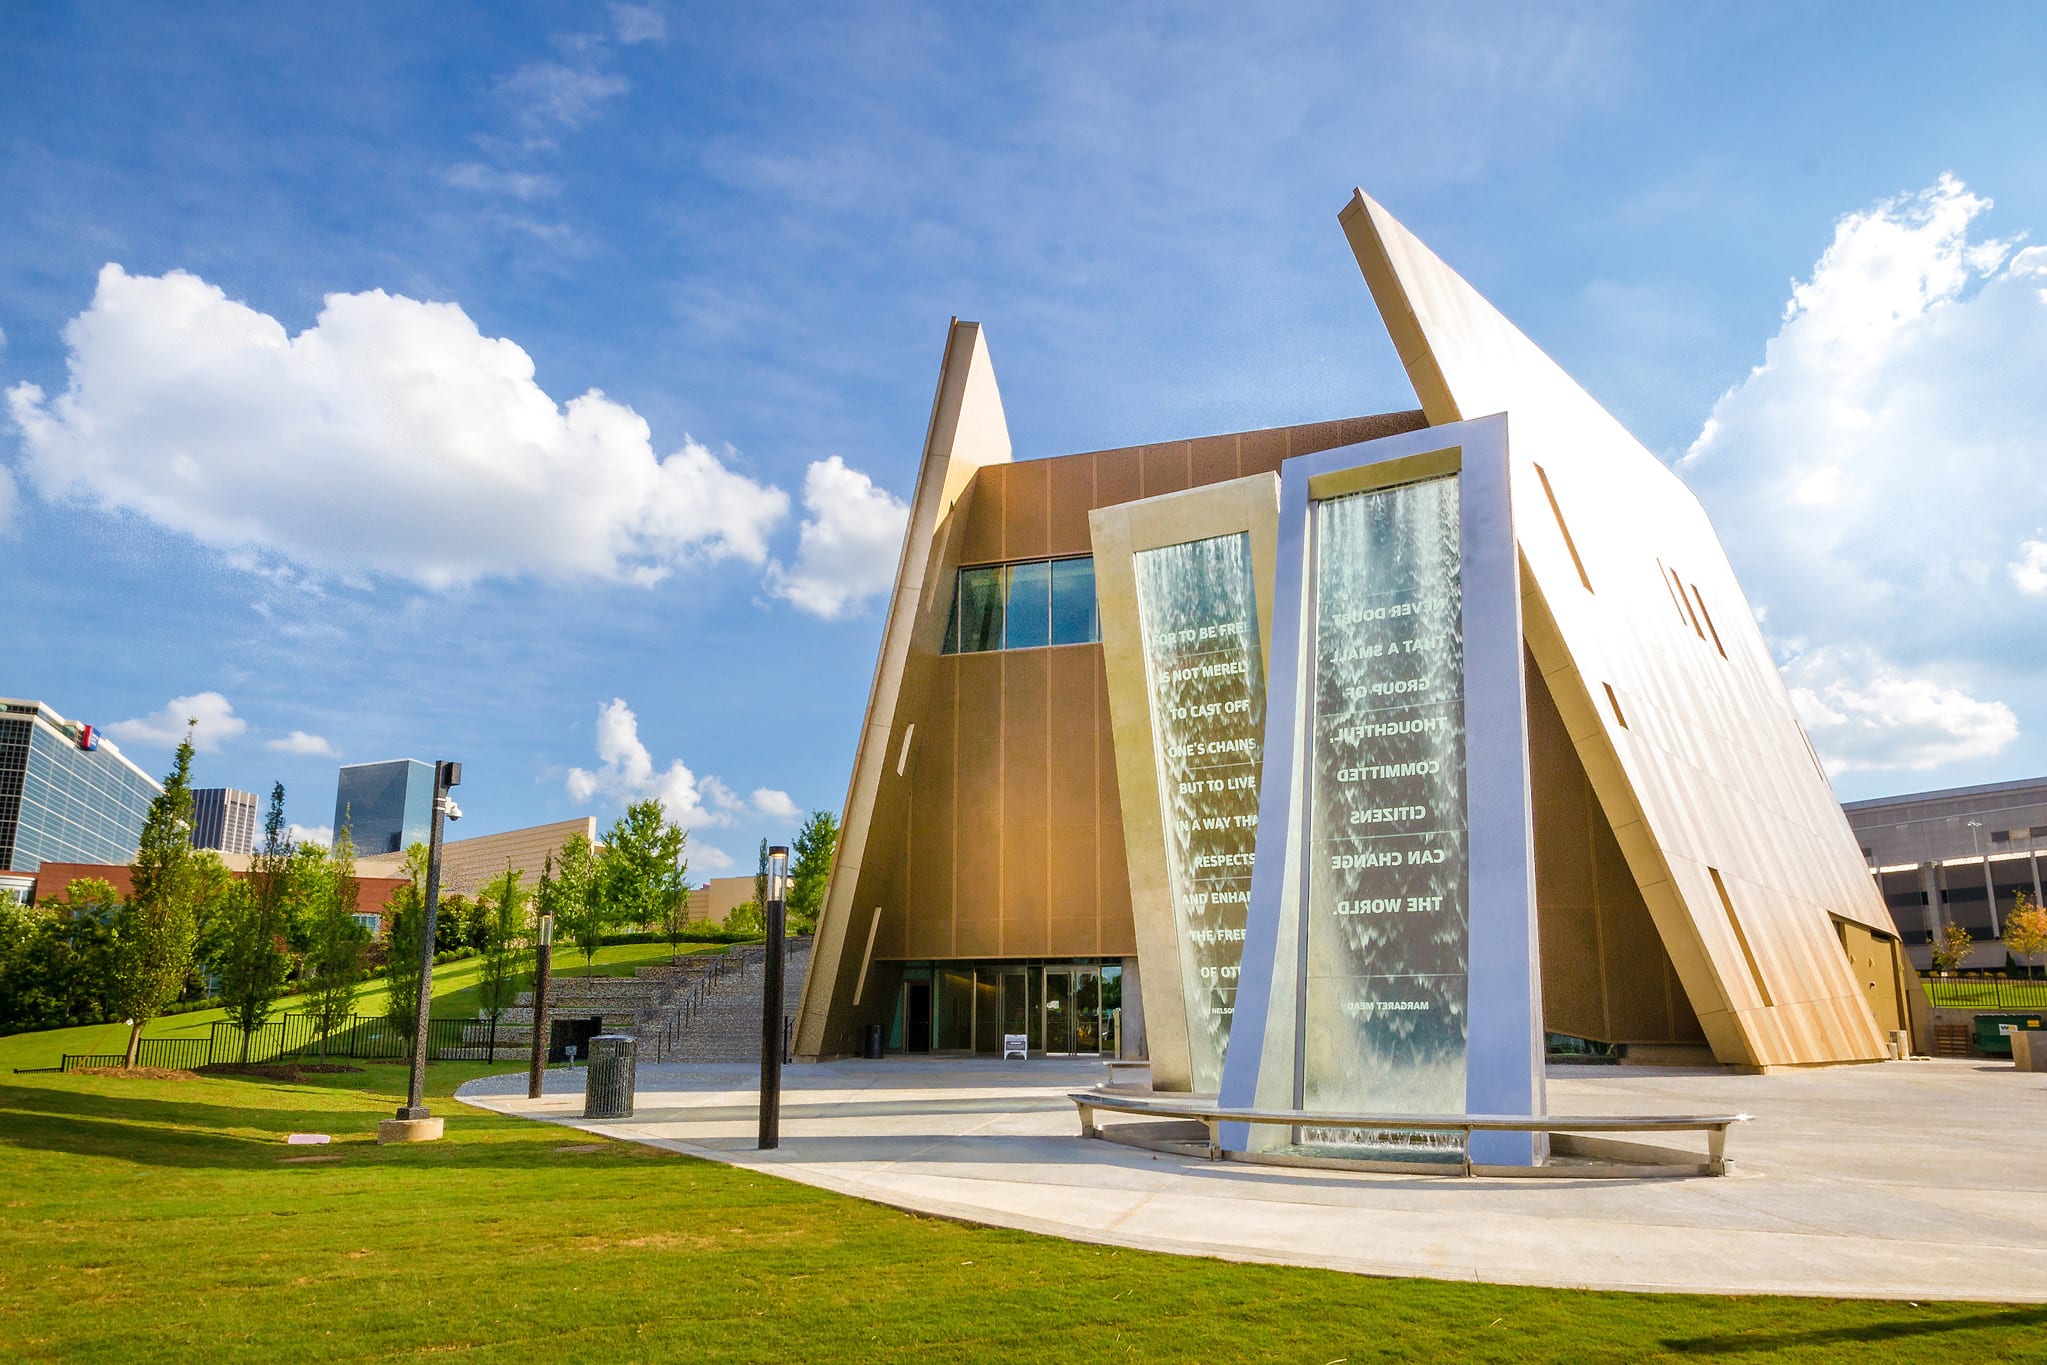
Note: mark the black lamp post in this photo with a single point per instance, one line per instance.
(771, 998)
(543, 963)
(446, 775)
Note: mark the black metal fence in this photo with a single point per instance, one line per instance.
(1992, 993)
(297, 1036)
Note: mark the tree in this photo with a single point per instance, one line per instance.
(252, 964)
(458, 923)
(760, 880)
(338, 943)
(1953, 949)
(158, 927)
(812, 869)
(745, 918)
(247, 924)
(501, 907)
(578, 907)
(213, 888)
(642, 875)
(270, 870)
(56, 957)
(2025, 931)
(406, 921)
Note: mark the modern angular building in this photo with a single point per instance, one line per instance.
(224, 819)
(386, 807)
(1391, 731)
(66, 795)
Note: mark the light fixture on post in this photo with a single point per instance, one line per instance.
(775, 914)
(414, 1122)
(543, 963)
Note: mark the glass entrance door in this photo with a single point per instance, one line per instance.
(1073, 1011)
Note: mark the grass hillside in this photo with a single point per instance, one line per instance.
(455, 995)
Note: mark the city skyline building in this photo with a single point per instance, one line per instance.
(66, 793)
(224, 819)
(386, 807)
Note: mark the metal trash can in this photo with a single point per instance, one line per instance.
(608, 1088)
(872, 1052)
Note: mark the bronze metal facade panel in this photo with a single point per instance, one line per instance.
(1072, 493)
(1119, 477)
(1026, 511)
(1165, 469)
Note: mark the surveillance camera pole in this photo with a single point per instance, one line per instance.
(775, 914)
(446, 775)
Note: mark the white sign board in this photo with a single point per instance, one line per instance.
(1015, 1045)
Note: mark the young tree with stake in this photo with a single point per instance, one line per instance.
(157, 929)
(339, 944)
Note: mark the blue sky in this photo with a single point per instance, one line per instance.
(317, 454)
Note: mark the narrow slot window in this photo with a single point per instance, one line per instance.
(1676, 603)
(1558, 512)
(1696, 630)
(903, 754)
(1755, 969)
(1615, 703)
(1700, 599)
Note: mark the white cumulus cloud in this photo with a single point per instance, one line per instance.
(556, 94)
(1861, 712)
(775, 804)
(164, 728)
(1873, 480)
(473, 175)
(390, 438)
(301, 743)
(626, 772)
(847, 549)
(638, 24)
(323, 835)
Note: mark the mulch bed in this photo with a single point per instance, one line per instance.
(135, 1073)
(296, 1071)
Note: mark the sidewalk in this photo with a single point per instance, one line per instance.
(1902, 1180)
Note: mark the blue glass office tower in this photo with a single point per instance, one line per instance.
(65, 795)
(387, 807)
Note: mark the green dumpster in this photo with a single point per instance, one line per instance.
(1993, 1031)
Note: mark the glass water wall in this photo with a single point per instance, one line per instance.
(1198, 618)
(1386, 942)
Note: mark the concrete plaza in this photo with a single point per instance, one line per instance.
(1914, 1180)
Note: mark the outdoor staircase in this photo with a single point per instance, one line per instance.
(726, 1024)
(705, 1008)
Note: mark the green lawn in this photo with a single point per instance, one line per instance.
(1987, 994)
(166, 1220)
(455, 995)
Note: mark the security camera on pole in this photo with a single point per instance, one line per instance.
(414, 1122)
(776, 914)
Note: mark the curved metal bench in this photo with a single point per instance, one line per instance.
(1213, 1116)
